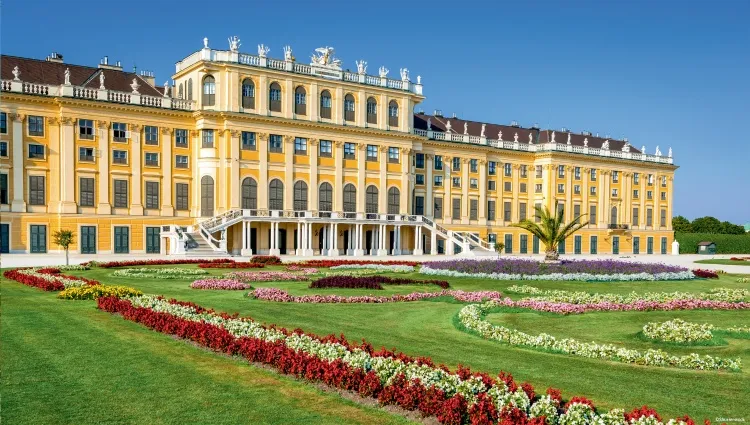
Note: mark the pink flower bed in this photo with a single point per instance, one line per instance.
(267, 276)
(217, 283)
(280, 295)
(567, 308)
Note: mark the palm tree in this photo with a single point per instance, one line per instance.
(550, 230)
(64, 238)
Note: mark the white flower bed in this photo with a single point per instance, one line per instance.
(69, 267)
(375, 268)
(584, 277)
(159, 273)
(579, 297)
(472, 317)
(67, 283)
(678, 330)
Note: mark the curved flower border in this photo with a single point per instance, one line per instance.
(580, 297)
(47, 278)
(280, 295)
(151, 273)
(219, 283)
(678, 330)
(581, 277)
(472, 317)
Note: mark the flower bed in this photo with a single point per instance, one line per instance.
(269, 260)
(577, 297)
(48, 278)
(280, 295)
(678, 330)
(414, 384)
(96, 291)
(706, 274)
(568, 308)
(273, 276)
(376, 268)
(152, 273)
(334, 263)
(743, 280)
(740, 258)
(585, 270)
(132, 263)
(472, 318)
(73, 267)
(370, 282)
(218, 283)
(305, 270)
(233, 265)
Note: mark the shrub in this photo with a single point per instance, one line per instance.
(132, 263)
(725, 244)
(269, 260)
(234, 265)
(370, 282)
(706, 274)
(94, 292)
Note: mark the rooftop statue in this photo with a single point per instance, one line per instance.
(325, 58)
(288, 54)
(515, 137)
(483, 126)
(263, 50)
(404, 74)
(429, 124)
(658, 152)
(500, 135)
(101, 81)
(135, 86)
(361, 67)
(466, 128)
(205, 42)
(234, 44)
(448, 126)
(569, 138)
(586, 142)
(383, 72)
(670, 152)
(553, 137)
(605, 145)
(67, 76)
(531, 138)
(16, 73)
(166, 89)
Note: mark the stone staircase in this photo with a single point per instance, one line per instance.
(199, 248)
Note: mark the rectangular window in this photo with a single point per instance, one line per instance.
(438, 181)
(491, 185)
(508, 244)
(577, 244)
(122, 239)
(4, 149)
(119, 132)
(419, 179)
(152, 159)
(88, 240)
(349, 150)
(275, 143)
(614, 193)
(208, 138)
(38, 238)
(593, 244)
(522, 211)
(635, 216)
(36, 126)
(372, 153)
(86, 154)
(3, 188)
(473, 206)
(663, 196)
(592, 214)
(300, 146)
(539, 171)
(181, 196)
(248, 141)
(326, 148)
(419, 205)
(508, 169)
(121, 193)
(456, 181)
(181, 161)
(560, 207)
(507, 186)
(649, 194)
(419, 160)
(438, 208)
(506, 211)
(473, 183)
(438, 162)
(86, 129)
(635, 193)
(663, 181)
(524, 248)
(119, 157)
(524, 171)
(393, 155)
(491, 210)
(152, 134)
(663, 245)
(560, 188)
(537, 207)
(538, 188)
(492, 168)
(577, 213)
(522, 187)
(3, 122)
(649, 217)
(593, 174)
(560, 171)
(36, 151)
(593, 190)
(636, 245)
(37, 190)
(663, 218)
(456, 164)
(649, 245)
(636, 178)
(180, 138)
(86, 192)
(577, 173)
(456, 208)
(473, 167)
(152, 195)
(577, 189)
(615, 176)
(650, 180)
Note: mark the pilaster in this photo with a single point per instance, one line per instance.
(234, 170)
(464, 190)
(167, 160)
(383, 192)
(104, 207)
(312, 150)
(136, 203)
(338, 193)
(262, 170)
(448, 185)
(407, 184)
(361, 186)
(289, 172)
(67, 167)
(515, 187)
(223, 139)
(429, 163)
(482, 207)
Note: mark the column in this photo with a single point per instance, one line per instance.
(262, 95)
(568, 194)
(338, 182)
(433, 243)
(222, 139)
(332, 252)
(381, 240)
(417, 240)
(547, 186)
(312, 149)
(361, 184)
(407, 185)
(464, 191)
(67, 168)
(383, 191)
(195, 194)
(338, 106)
(298, 239)
(429, 181)
(313, 102)
(234, 170)
(482, 207)
(514, 205)
(336, 238)
(274, 239)
(448, 186)
(627, 202)
(396, 240)
(104, 207)
(18, 204)
(289, 172)
(288, 100)
(246, 251)
(166, 171)
(263, 169)
(136, 203)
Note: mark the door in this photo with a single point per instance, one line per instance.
(615, 245)
(636, 245)
(649, 245)
(663, 245)
(207, 196)
(295, 241)
(122, 240)
(561, 247)
(346, 239)
(577, 244)
(390, 244)
(38, 238)
(368, 241)
(88, 240)
(4, 238)
(282, 241)
(153, 245)
(508, 244)
(441, 246)
(594, 242)
(535, 245)
(254, 239)
(524, 244)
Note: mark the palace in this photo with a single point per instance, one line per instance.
(244, 154)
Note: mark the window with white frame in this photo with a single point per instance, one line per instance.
(372, 153)
(349, 151)
(438, 181)
(393, 155)
(181, 161)
(326, 148)
(36, 125)
(248, 141)
(300, 146)
(275, 143)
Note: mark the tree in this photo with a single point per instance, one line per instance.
(681, 224)
(63, 238)
(732, 229)
(551, 230)
(706, 224)
(499, 246)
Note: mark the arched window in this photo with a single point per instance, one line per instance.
(248, 94)
(349, 107)
(249, 193)
(300, 101)
(181, 92)
(300, 196)
(276, 195)
(190, 89)
(207, 196)
(350, 198)
(613, 218)
(325, 197)
(209, 91)
(274, 97)
(325, 104)
(394, 200)
(371, 200)
(393, 114)
(372, 110)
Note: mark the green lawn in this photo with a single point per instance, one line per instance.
(726, 262)
(421, 328)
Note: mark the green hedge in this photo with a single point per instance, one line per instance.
(725, 244)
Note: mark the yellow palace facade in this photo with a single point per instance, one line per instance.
(245, 154)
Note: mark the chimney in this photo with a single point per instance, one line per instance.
(55, 57)
(104, 64)
(514, 123)
(454, 116)
(438, 113)
(148, 76)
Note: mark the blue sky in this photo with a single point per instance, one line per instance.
(660, 73)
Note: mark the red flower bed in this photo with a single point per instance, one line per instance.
(131, 263)
(333, 263)
(234, 265)
(740, 258)
(44, 284)
(706, 274)
(370, 282)
(269, 260)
